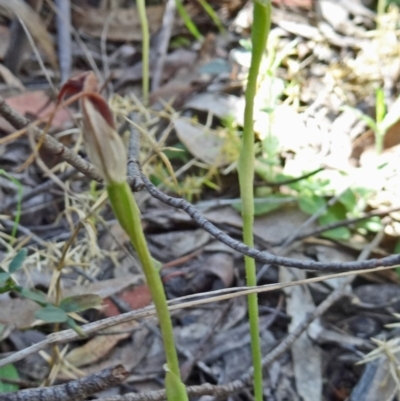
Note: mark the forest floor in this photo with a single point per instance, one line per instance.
(327, 189)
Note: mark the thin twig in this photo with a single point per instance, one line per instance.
(44, 187)
(346, 222)
(52, 145)
(86, 168)
(63, 18)
(67, 336)
(25, 231)
(76, 390)
(264, 256)
(291, 238)
(290, 180)
(236, 386)
(134, 154)
(164, 36)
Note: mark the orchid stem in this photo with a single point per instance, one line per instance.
(128, 215)
(260, 31)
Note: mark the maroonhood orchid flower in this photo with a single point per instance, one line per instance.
(107, 152)
(104, 146)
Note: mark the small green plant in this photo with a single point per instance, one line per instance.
(48, 312)
(271, 89)
(312, 194)
(383, 119)
(8, 372)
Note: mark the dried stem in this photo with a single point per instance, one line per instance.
(76, 390)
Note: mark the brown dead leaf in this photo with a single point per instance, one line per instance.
(175, 244)
(137, 298)
(221, 265)
(124, 23)
(304, 351)
(307, 4)
(17, 312)
(9, 78)
(100, 346)
(220, 105)
(35, 25)
(174, 91)
(280, 224)
(36, 104)
(205, 144)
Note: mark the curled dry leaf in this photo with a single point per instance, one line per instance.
(98, 347)
(220, 264)
(124, 23)
(205, 144)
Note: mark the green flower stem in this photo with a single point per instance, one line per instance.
(141, 6)
(260, 31)
(128, 215)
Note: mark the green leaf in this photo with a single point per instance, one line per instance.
(310, 203)
(263, 3)
(335, 213)
(187, 20)
(348, 200)
(268, 204)
(392, 116)
(51, 314)
(271, 147)
(366, 118)
(265, 208)
(213, 15)
(8, 285)
(380, 107)
(339, 233)
(4, 276)
(174, 387)
(17, 261)
(74, 326)
(34, 295)
(177, 152)
(79, 303)
(8, 372)
(373, 224)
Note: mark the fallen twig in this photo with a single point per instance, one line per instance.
(263, 256)
(75, 390)
(236, 386)
(164, 36)
(67, 336)
(86, 168)
(52, 145)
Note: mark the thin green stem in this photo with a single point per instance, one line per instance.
(260, 31)
(141, 6)
(128, 215)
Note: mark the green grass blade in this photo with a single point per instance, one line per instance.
(190, 25)
(213, 15)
